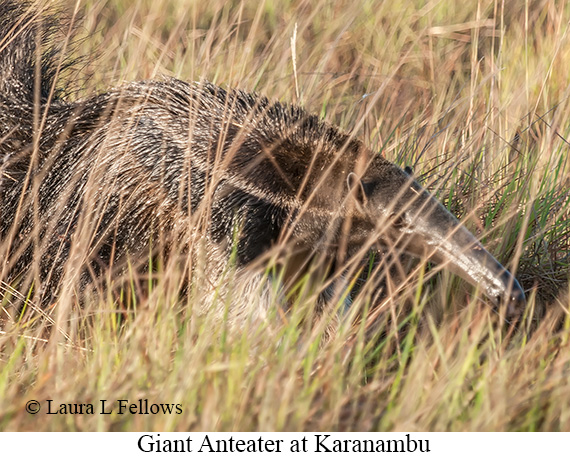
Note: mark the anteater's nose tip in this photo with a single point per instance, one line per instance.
(515, 300)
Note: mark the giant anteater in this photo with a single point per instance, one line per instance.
(91, 186)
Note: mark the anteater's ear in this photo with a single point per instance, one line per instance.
(356, 188)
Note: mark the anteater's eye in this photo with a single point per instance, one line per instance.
(409, 170)
(397, 220)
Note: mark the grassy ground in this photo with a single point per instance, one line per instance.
(473, 95)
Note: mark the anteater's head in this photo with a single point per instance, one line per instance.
(402, 214)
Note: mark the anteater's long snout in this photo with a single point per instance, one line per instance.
(430, 230)
(463, 254)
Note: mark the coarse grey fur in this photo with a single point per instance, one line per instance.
(89, 187)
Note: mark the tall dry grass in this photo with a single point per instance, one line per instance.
(474, 96)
